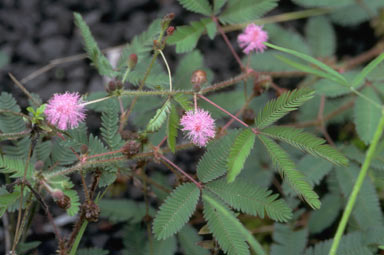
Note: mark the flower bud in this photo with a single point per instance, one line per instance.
(92, 211)
(132, 61)
(166, 20)
(39, 165)
(198, 77)
(111, 86)
(83, 149)
(57, 194)
(170, 30)
(119, 84)
(64, 202)
(131, 148)
(249, 116)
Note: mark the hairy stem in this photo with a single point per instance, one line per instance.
(356, 188)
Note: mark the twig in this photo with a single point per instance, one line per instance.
(181, 171)
(25, 91)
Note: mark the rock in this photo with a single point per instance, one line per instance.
(53, 47)
(29, 51)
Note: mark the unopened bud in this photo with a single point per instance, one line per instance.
(57, 194)
(111, 86)
(131, 148)
(249, 116)
(64, 202)
(198, 77)
(132, 61)
(92, 211)
(170, 30)
(39, 165)
(83, 149)
(166, 20)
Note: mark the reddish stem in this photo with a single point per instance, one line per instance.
(104, 154)
(230, 114)
(181, 171)
(228, 42)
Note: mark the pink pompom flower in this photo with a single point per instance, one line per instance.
(253, 38)
(199, 125)
(65, 110)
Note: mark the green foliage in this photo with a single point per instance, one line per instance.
(186, 37)
(110, 126)
(213, 163)
(295, 178)
(217, 4)
(366, 115)
(230, 237)
(198, 6)
(183, 101)
(322, 3)
(92, 251)
(15, 167)
(98, 59)
(7, 199)
(326, 215)
(117, 210)
(173, 125)
(23, 248)
(75, 204)
(333, 89)
(4, 59)
(242, 11)
(176, 211)
(367, 69)
(164, 247)
(331, 73)
(251, 199)
(321, 36)
(239, 152)
(367, 211)
(277, 108)
(306, 142)
(287, 241)
(314, 168)
(188, 239)
(157, 121)
(351, 244)
(287, 38)
(134, 240)
(8, 122)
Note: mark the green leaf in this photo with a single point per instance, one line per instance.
(313, 61)
(189, 240)
(110, 126)
(322, 3)
(214, 162)
(314, 168)
(366, 115)
(333, 89)
(307, 69)
(321, 36)
(75, 204)
(4, 59)
(242, 11)
(15, 167)
(367, 211)
(354, 14)
(98, 59)
(22, 248)
(183, 101)
(10, 123)
(251, 199)
(163, 247)
(186, 37)
(8, 198)
(239, 152)
(211, 29)
(173, 125)
(117, 210)
(198, 6)
(277, 108)
(157, 121)
(287, 168)
(188, 64)
(326, 215)
(306, 142)
(288, 242)
(287, 38)
(217, 4)
(92, 251)
(367, 69)
(227, 229)
(176, 210)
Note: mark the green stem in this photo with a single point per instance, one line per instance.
(78, 238)
(356, 188)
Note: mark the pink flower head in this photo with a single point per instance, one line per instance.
(199, 125)
(253, 38)
(65, 110)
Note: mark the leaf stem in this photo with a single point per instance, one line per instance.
(168, 69)
(356, 188)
